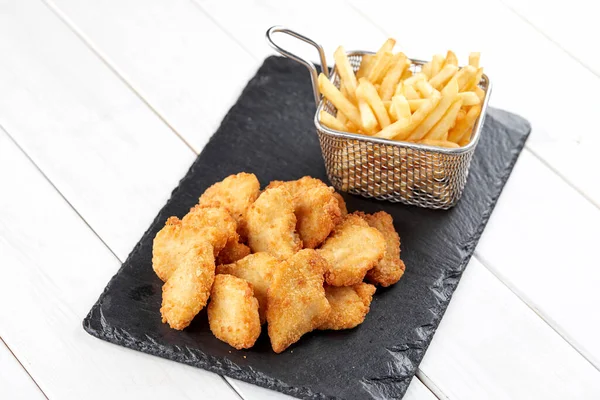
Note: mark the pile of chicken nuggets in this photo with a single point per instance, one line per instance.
(290, 256)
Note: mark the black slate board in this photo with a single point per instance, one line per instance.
(270, 132)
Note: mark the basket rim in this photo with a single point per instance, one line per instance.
(402, 144)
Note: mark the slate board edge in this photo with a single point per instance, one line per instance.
(231, 369)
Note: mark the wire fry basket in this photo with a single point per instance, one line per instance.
(410, 173)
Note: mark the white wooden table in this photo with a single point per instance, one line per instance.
(105, 104)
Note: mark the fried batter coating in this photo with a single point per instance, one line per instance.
(233, 312)
(232, 252)
(214, 225)
(390, 268)
(186, 291)
(352, 250)
(236, 193)
(272, 224)
(258, 270)
(341, 204)
(316, 207)
(349, 305)
(296, 299)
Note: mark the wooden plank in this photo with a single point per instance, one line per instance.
(530, 74)
(513, 355)
(571, 25)
(171, 53)
(541, 241)
(14, 381)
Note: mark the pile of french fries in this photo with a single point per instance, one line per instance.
(437, 106)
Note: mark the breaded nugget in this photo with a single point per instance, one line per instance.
(186, 291)
(236, 193)
(233, 312)
(296, 299)
(258, 270)
(232, 252)
(390, 268)
(341, 204)
(214, 224)
(272, 224)
(349, 305)
(352, 249)
(316, 207)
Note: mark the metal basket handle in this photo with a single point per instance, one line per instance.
(308, 64)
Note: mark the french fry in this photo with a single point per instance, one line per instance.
(439, 143)
(400, 130)
(424, 88)
(474, 59)
(399, 88)
(426, 69)
(462, 129)
(365, 65)
(380, 65)
(451, 58)
(341, 117)
(440, 79)
(342, 104)
(406, 74)
(414, 104)
(330, 121)
(368, 93)
(369, 121)
(392, 76)
(419, 76)
(449, 94)
(409, 92)
(391, 111)
(464, 76)
(474, 81)
(436, 64)
(386, 47)
(401, 107)
(441, 128)
(344, 69)
(469, 98)
(479, 92)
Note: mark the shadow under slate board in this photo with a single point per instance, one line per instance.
(270, 132)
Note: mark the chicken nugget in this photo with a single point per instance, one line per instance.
(236, 193)
(349, 305)
(352, 249)
(186, 291)
(316, 207)
(214, 224)
(233, 312)
(258, 270)
(390, 268)
(272, 224)
(296, 299)
(341, 204)
(232, 252)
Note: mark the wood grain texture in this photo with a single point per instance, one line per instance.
(510, 356)
(14, 381)
(521, 62)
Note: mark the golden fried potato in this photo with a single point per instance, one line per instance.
(349, 305)
(233, 312)
(316, 207)
(352, 250)
(214, 224)
(296, 299)
(341, 204)
(236, 193)
(272, 223)
(390, 268)
(232, 252)
(258, 270)
(186, 291)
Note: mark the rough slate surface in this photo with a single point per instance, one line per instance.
(270, 132)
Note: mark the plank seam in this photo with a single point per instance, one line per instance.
(22, 366)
